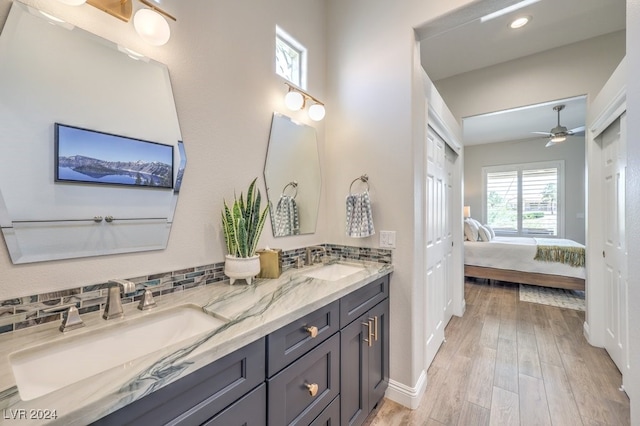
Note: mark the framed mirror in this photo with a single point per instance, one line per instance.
(292, 175)
(52, 72)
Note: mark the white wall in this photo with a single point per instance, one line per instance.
(633, 202)
(221, 63)
(531, 151)
(558, 73)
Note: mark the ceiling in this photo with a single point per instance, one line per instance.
(462, 43)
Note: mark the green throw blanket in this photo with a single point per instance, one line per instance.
(558, 250)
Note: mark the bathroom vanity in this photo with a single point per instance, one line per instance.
(310, 347)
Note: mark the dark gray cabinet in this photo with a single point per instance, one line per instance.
(364, 363)
(330, 367)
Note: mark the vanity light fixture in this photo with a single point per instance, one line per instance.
(149, 21)
(296, 99)
(520, 22)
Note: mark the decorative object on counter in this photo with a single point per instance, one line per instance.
(359, 216)
(242, 225)
(286, 218)
(270, 263)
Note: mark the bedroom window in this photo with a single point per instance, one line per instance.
(525, 199)
(291, 59)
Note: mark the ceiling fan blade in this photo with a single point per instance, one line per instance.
(551, 143)
(578, 131)
(542, 133)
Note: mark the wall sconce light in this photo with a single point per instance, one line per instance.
(149, 21)
(466, 211)
(296, 99)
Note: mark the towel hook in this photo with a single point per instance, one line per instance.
(364, 178)
(294, 185)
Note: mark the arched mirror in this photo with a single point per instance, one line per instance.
(53, 74)
(292, 176)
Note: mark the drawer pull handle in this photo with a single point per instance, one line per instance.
(312, 330)
(369, 338)
(313, 388)
(375, 327)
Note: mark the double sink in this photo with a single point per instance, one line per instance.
(48, 367)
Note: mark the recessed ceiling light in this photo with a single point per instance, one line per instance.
(520, 22)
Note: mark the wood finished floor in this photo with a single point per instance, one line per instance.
(507, 362)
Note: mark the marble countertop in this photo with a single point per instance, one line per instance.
(254, 311)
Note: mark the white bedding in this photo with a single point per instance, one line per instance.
(515, 253)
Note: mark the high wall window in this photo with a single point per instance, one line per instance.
(525, 199)
(291, 59)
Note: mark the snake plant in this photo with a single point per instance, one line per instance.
(242, 223)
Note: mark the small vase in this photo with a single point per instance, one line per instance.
(241, 268)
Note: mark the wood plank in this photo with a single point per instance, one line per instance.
(547, 349)
(528, 361)
(474, 415)
(544, 280)
(506, 371)
(490, 332)
(450, 398)
(562, 406)
(505, 408)
(481, 378)
(533, 402)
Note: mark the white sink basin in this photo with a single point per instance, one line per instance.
(49, 367)
(333, 272)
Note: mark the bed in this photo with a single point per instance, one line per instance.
(513, 259)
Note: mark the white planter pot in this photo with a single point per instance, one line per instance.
(241, 268)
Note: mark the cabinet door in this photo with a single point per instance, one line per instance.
(379, 353)
(354, 367)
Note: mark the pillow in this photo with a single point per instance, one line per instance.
(470, 230)
(484, 233)
(491, 231)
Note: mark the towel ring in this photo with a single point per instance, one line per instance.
(364, 178)
(294, 185)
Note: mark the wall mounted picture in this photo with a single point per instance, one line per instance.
(89, 156)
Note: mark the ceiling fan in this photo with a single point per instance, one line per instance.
(559, 133)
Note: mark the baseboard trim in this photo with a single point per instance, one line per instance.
(408, 396)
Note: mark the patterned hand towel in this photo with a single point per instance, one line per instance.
(286, 217)
(359, 217)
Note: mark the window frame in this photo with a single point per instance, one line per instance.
(284, 37)
(519, 168)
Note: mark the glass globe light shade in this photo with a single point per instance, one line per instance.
(294, 100)
(316, 112)
(73, 2)
(151, 27)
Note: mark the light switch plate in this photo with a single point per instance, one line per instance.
(387, 239)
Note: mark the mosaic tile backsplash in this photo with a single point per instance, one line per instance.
(28, 311)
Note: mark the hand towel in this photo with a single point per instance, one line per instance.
(359, 216)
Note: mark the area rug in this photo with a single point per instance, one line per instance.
(570, 299)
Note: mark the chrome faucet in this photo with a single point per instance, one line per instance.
(113, 307)
(310, 255)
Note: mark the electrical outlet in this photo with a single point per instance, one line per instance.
(387, 239)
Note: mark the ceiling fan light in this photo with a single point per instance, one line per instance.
(558, 138)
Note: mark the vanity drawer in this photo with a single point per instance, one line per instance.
(360, 301)
(200, 395)
(250, 410)
(295, 339)
(330, 416)
(290, 400)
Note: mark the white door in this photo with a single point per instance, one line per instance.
(613, 145)
(438, 292)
